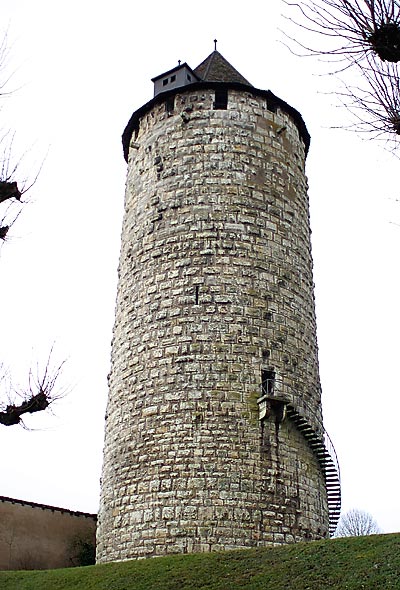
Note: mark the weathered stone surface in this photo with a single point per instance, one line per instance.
(215, 285)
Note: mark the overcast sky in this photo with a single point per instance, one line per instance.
(80, 69)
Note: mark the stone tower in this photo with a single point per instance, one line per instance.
(214, 437)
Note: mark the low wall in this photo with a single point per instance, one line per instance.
(37, 536)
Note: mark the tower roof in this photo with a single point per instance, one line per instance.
(215, 68)
(214, 72)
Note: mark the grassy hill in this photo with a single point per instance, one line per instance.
(371, 563)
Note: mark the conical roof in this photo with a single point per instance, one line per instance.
(212, 72)
(215, 68)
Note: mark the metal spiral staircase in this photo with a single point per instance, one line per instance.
(274, 392)
(326, 455)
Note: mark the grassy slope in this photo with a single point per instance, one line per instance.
(372, 563)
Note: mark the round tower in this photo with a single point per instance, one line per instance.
(214, 436)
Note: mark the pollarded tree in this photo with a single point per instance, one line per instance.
(356, 523)
(41, 392)
(361, 34)
(350, 29)
(10, 194)
(42, 388)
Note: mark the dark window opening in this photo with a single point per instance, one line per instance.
(165, 82)
(271, 106)
(221, 100)
(173, 78)
(189, 77)
(169, 104)
(197, 295)
(267, 382)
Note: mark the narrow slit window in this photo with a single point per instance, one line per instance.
(221, 100)
(170, 104)
(196, 295)
(267, 382)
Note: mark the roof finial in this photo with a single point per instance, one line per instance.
(179, 62)
(215, 44)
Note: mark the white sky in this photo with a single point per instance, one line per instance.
(82, 68)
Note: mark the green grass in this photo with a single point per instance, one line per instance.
(371, 563)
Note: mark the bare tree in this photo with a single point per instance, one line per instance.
(42, 390)
(351, 29)
(362, 34)
(43, 387)
(356, 523)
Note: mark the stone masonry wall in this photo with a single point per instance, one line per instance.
(215, 285)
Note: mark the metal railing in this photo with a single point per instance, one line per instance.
(274, 389)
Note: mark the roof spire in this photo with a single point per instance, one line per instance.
(215, 68)
(215, 44)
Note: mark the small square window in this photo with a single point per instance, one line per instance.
(221, 99)
(173, 78)
(267, 382)
(165, 82)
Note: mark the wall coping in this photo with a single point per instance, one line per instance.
(47, 507)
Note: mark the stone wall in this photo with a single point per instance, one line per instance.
(36, 536)
(215, 285)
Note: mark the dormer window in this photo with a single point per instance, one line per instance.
(175, 78)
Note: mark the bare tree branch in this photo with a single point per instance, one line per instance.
(4, 54)
(351, 29)
(375, 103)
(361, 34)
